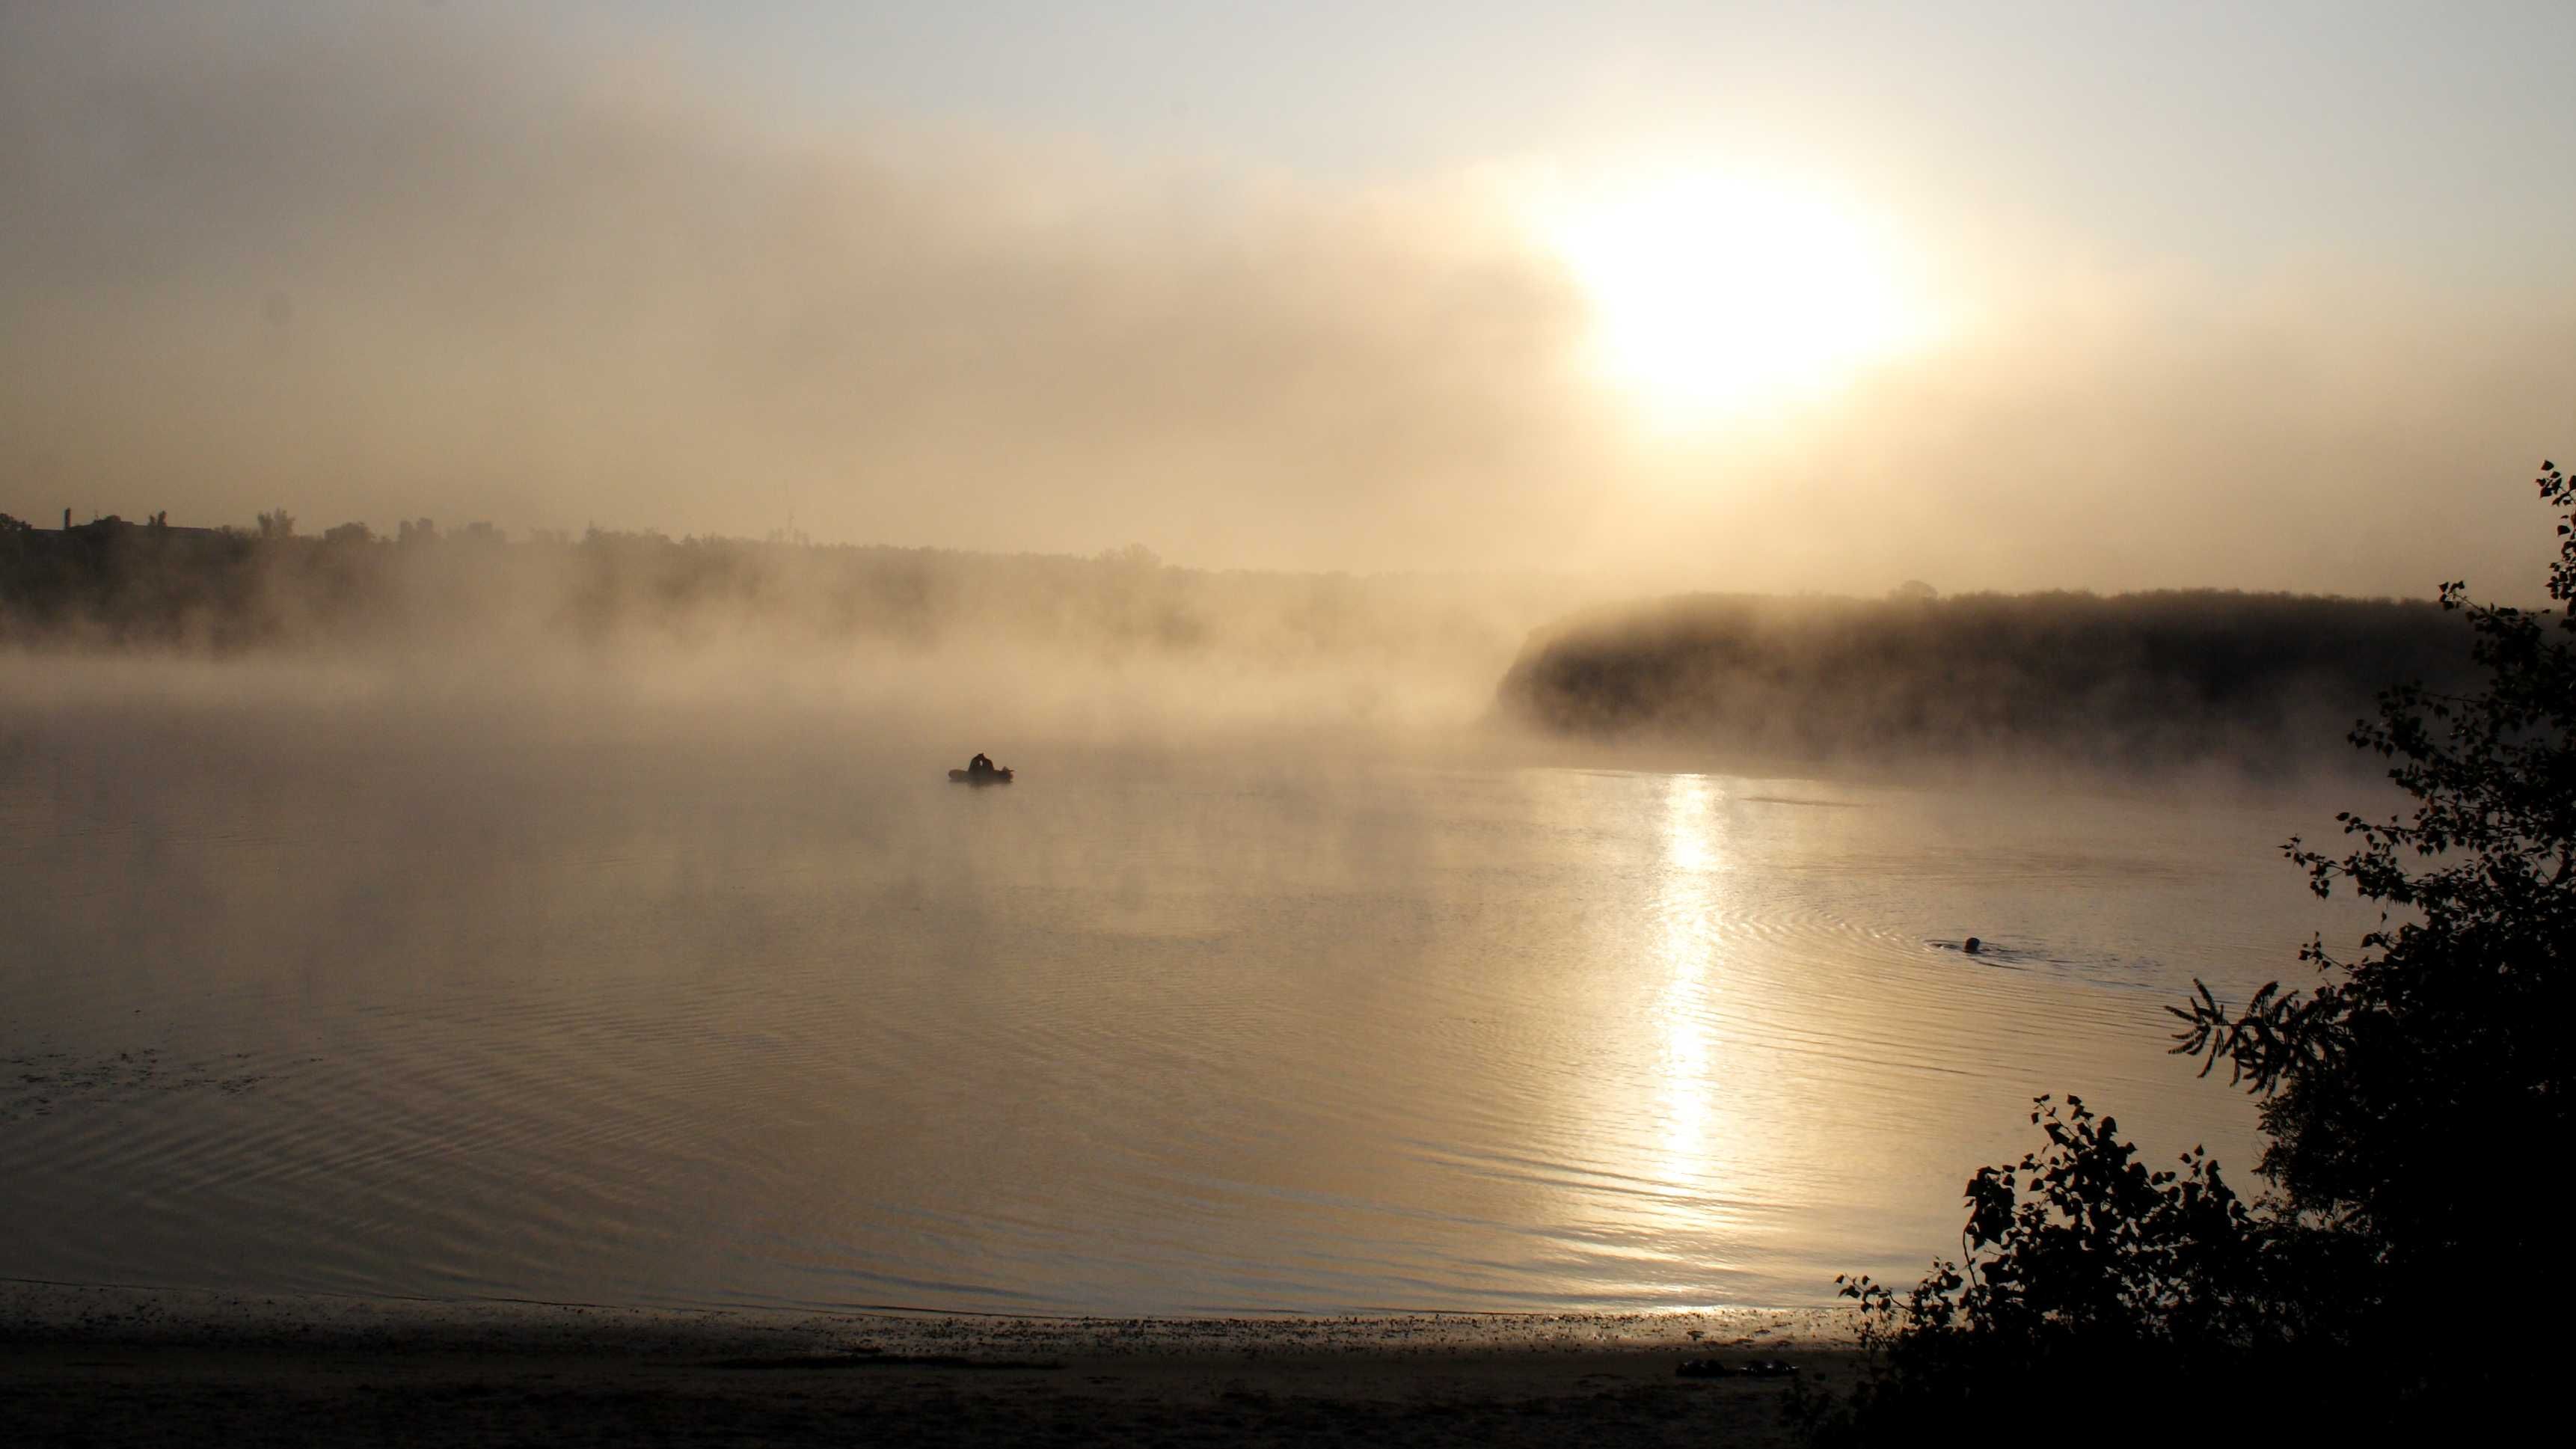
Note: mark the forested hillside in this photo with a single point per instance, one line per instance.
(2128, 679)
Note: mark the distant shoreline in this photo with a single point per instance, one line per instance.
(2177, 680)
(145, 1366)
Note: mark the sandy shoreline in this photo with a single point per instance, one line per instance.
(82, 1365)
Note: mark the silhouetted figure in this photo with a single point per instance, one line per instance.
(981, 771)
(1973, 946)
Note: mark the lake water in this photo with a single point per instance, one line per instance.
(462, 1002)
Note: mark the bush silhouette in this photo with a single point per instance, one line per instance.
(2415, 1099)
(2442, 1043)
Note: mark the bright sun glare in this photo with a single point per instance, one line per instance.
(1711, 295)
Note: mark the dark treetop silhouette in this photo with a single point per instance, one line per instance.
(2124, 681)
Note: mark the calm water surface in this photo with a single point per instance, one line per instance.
(453, 1007)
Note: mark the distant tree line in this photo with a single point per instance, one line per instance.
(114, 584)
(2119, 680)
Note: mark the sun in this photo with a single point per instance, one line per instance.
(1711, 295)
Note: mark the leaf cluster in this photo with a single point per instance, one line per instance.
(2081, 1262)
(2415, 1100)
(2443, 1040)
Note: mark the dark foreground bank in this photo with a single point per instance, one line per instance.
(122, 1366)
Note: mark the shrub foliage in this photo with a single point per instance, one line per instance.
(2442, 1044)
(2414, 1098)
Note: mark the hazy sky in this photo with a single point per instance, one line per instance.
(1712, 295)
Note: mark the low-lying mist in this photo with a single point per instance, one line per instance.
(941, 653)
(616, 631)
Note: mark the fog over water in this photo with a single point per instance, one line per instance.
(703, 985)
(1479, 841)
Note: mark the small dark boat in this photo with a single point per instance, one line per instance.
(980, 777)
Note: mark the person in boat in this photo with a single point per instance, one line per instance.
(980, 765)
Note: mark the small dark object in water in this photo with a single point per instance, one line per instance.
(1761, 1368)
(1973, 946)
(981, 771)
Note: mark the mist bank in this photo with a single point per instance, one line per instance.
(611, 631)
(1107, 645)
(2267, 682)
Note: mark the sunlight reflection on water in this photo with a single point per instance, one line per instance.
(681, 1021)
(1687, 1097)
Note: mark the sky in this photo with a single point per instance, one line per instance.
(1729, 296)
